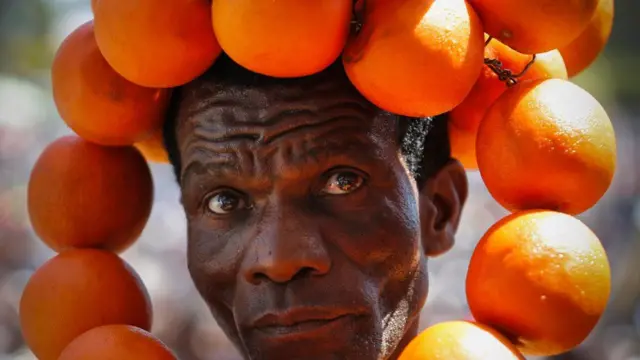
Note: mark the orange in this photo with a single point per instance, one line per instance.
(153, 148)
(78, 290)
(583, 51)
(546, 144)
(460, 340)
(542, 278)
(96, 102)
(286, 38)
(156, 43)
(85, 195)
(121, 342)
(463, 146)
(465, 118)
(489, 87)
(416, 57)
(535, 26)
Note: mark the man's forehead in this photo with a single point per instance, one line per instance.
(229, 87)
(252, 122)
(266, 114)
(238, 102)
(236, 135)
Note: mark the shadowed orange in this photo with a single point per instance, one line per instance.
(121, 342)
(153, 148)
(78, 290)
(463, 146)
(580, 53)
(85, 195)
(96, 102)
(535, 26)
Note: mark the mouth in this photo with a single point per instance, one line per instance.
(297, 323)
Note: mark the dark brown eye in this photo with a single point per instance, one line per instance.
(343, 182)
(225, 202)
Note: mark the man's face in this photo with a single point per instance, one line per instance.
(304, 224)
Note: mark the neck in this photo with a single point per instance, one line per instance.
(412, 333)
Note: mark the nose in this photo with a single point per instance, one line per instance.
(288, 246)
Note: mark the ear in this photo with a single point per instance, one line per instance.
(442, 198)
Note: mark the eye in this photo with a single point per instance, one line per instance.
(343, 182)
(225, 202)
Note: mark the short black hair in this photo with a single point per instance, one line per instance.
(424, 142)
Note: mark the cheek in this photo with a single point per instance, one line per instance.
(213, 262)
(384, 238)
(384, 243)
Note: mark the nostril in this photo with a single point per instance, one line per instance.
(305, 272)
(258, 277)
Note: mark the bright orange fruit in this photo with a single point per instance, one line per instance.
(460, 340)
(541, 277)
(96, 102)
(583, 51)
(85, 195)
(286, 38)
(546, 144)
(416, 57)
(78, 290)
(489, 87)
(463, 145)
(465, 118)
(154, 43)
(535, 26)
(153, 148)
(121, 342)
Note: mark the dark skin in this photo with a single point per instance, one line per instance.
(308, 238)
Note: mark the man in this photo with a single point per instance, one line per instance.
(311, 213)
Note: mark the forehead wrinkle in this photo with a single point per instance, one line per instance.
(222, 160)
(384, 128)
(333, 143)
(217, 141)
(330, 148)
(220, 123)
(225, 165)
(230, 115)
(203, 139)
(208, 91)
(262, 95)
(294, 122)
(311, 149)
(210, 94)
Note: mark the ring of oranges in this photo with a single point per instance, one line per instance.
(544, 147)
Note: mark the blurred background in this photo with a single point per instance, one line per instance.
(30, 32)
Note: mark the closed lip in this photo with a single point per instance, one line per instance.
(298, 316)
